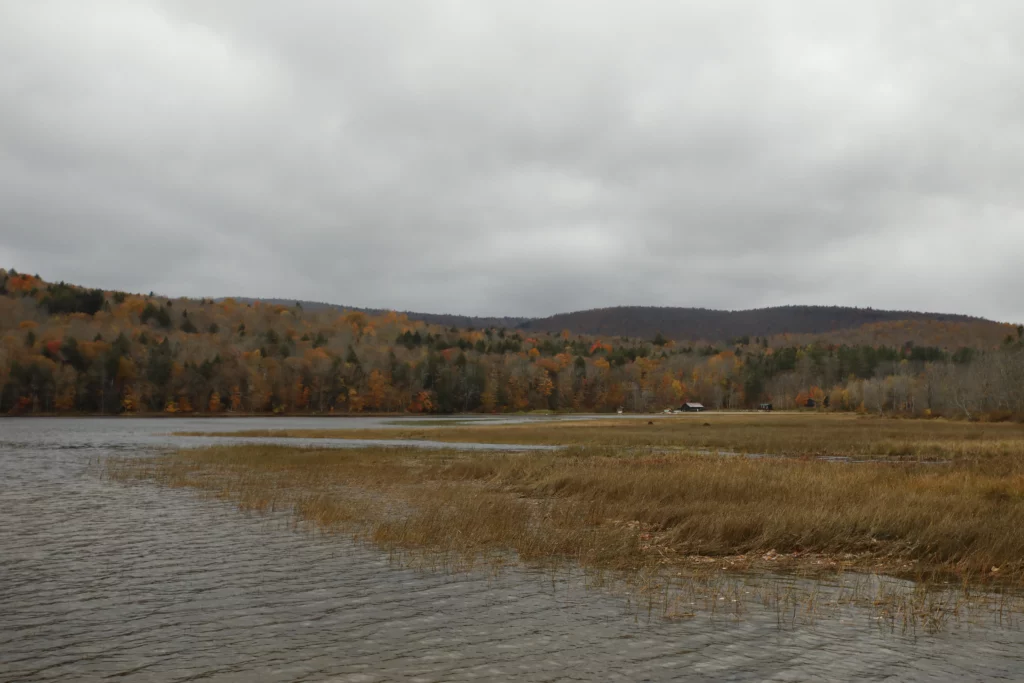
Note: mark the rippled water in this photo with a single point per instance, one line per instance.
(104, 580)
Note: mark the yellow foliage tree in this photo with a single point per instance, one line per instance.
(377, 390)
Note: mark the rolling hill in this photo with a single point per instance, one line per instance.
(717, 325)
(708, 325)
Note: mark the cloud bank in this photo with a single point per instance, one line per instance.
(520, 158)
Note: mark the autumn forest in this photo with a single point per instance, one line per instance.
(66, 349)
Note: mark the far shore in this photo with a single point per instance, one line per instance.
(404, 416)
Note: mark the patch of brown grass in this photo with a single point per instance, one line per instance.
(794, 435)
(601, 508)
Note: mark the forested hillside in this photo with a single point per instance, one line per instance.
(783, 324)
(64, 349)
(705, 325)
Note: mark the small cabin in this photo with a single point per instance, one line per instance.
(693, 408)
(766, 407)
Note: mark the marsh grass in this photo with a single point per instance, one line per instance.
(600, 508)
(658, 512)
(783, 434)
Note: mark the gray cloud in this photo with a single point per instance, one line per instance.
(520, 158)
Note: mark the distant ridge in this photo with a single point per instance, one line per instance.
(673, 322)
(446, 319)
(717, 325)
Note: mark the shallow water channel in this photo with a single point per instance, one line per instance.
(100, 579)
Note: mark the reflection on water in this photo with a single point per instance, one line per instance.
(100, 579)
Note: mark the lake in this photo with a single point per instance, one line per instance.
(100, 579)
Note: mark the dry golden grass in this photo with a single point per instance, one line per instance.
(614, 508)
(785, 434)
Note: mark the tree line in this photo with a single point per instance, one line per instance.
(65, 349)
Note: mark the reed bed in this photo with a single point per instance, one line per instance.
(659, 509)
(600, 508)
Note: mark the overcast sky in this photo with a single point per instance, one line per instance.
(518, 157)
